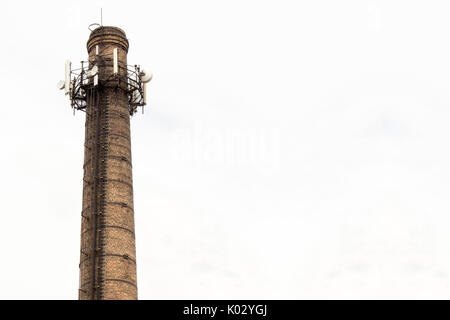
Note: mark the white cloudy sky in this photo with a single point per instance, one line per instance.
(290, 149)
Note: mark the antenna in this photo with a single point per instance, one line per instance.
(145, 76)
(144, 88)
(61, 84)
(101, 17)
(67, 76)
(93, 72)
(116, 64)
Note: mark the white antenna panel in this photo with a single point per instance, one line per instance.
(61, 84)
(67, 76)
(116, 62)
(95, 80)
(96, 49)
(144, 88)
(93, 72)
(146, 76)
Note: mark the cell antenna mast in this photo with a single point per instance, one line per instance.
(109, 91)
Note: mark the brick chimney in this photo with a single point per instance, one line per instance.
(108, 252)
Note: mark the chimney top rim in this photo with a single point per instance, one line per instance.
(108, 34)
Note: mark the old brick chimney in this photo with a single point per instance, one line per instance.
(108, 252)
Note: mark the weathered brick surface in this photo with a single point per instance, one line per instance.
(108, 254)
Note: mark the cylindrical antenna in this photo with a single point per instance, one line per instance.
(67, 76)
(115, 61)
(101, 17)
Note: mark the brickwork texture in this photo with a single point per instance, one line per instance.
(108, 252)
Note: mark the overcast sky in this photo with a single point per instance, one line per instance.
(289, 149)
